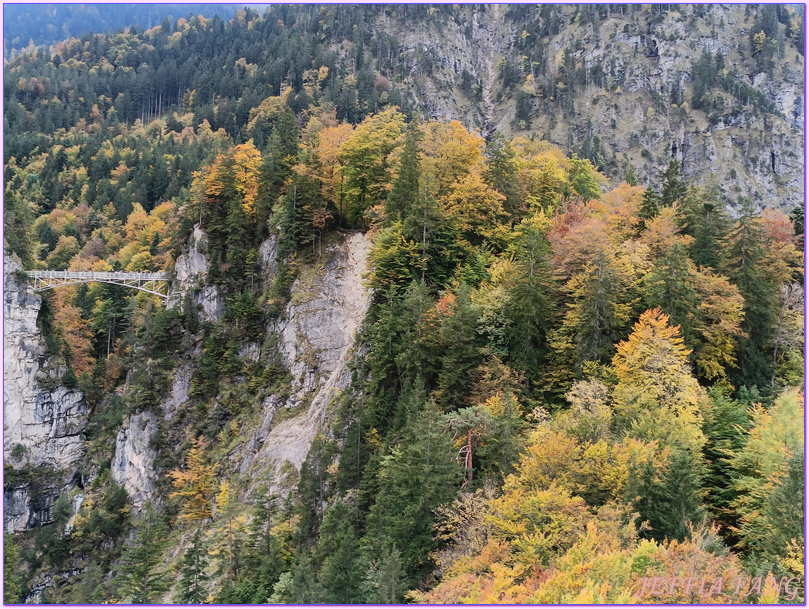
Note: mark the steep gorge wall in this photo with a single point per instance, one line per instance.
(747, 152)
(42, 421)
(314, 338)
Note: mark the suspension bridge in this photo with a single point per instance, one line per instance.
(153, 283)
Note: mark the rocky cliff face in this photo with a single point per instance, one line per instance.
(133, 463)
(41, 426)
(42, 423)
(191, 270)
(637, 69)
(317, 334)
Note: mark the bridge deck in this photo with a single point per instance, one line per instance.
(98, 275)
(153, 283)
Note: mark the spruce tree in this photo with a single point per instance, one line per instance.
(338, 553)
(462, 353)
(417, 475)
(141, 575)
(405, 192)
(193, 574)
(670, 286)
(385, 581)
(12, 573)
(650, 205)
(501, 171)
(673, 187)
(706, 220)
(746, 270)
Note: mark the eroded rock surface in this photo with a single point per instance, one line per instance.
(133, 464)
(317, 335)
(191, 270)
(42, 426)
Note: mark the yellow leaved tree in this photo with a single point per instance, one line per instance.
(195, 484)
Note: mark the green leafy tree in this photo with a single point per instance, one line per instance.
(364, 157)
(585, 179)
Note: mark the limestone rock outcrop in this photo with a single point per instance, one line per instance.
(133, 463)
(317, 336)
(42, 425)
(191, 270)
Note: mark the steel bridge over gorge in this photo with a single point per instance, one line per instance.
(153, 283)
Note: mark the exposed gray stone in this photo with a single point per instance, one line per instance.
(190, 272)
(42, 427)
(268, 256)
(316, 340)
(180, 387)
(133, 463)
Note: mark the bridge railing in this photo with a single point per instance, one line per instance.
(99, 275)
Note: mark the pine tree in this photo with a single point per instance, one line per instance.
(12, 572)
(405, 192)
(673, 188)
(142, 574)
(193, 573)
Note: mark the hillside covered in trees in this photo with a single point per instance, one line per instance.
(405, 358)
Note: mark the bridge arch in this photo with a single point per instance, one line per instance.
(153, 283)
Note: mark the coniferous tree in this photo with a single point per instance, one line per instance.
(385, 580)
(673, 188)
(338, 552)
(193, 572)
(530, 303)
(708, 222)
(142, 573)
(501, 171)
(650, 205)
(670, 286)
(417, 475)
(462, 353)
(745, 268)
(12, 572)
(405, 192)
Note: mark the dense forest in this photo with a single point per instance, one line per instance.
(45, 24)
(574, 374)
